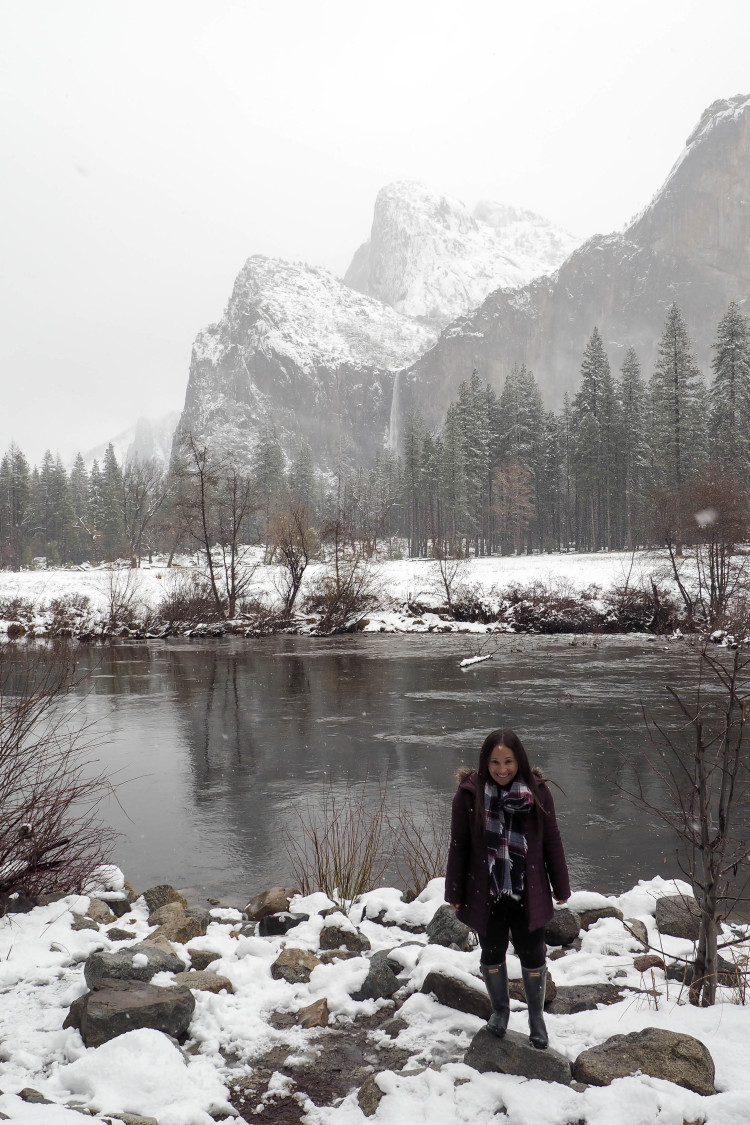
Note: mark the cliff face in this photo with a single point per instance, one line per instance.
(298, 349)
(430, 258)
(690, 245)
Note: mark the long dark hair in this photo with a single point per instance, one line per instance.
(510, 740)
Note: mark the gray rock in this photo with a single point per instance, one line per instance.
(727, 973)
(201, 958)
(81, 922)
(369, 1096)
(294, 965)
(638, 930)
(394, 1027)
(588, 917)
(445, 929)
(457, 994)
(513, 1054)
(119, 933)
(380, 982)
(517, 991)
(272, 925)
(668, 1055)
(336, 937)
(563, 928)
(184, 926)
(124, 1005)
(678, 916)
(132, 1118)
(161, 895)
(167, 914)
(204, 981)
(102, 967)
(100, 912)
(119, 904)
(273, 901)
(582, 998)
(33, 1097)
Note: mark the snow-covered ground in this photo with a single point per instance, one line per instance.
(395, 582)
(41, 973)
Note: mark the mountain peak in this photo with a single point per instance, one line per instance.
(430, 258)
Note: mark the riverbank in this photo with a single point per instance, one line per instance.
(358, 1023)
(616, 592)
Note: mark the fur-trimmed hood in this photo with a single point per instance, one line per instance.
(463, 773)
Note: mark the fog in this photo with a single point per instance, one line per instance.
(147, 149)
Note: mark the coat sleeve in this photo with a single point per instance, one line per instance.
(459, 849)
(554, 854)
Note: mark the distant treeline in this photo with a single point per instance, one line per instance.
(629, 461)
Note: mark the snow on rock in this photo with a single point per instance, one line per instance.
(430, 258)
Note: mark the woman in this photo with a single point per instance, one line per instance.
(505, 850)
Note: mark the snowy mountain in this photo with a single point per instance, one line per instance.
(691, 245)
(298, 349)
(149, 437)
(430, 258)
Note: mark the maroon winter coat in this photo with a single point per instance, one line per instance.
(467, 879)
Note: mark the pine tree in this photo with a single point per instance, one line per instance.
(730, 393)
(15, 494)
(412, 461)
(453, 479)
(595, 422)
(111, 523)
(269, 472)
(302, 483)
(678, 440)
(633, 415)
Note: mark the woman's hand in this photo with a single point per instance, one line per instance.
(560, 901)
(455, 906)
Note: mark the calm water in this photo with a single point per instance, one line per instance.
(214, 741)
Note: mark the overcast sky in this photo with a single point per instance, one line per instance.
(148, 148)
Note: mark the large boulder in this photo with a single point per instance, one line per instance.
(294, 965)
(380, 982)
(668, 1055)
(160, 896)
(273, 901)
(563, 927)
(445, 929)
(139, 962)
(455, 993)
(123, 1005)
(588, 917)
(513, 1054)
(176, 924)
(336, 936)
(582, 998)
(678, 916)
(274, 925)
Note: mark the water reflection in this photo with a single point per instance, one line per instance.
(221, 738)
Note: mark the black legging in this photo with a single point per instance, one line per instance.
(508, 917)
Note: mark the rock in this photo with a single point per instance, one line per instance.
(204, 981)
(455, 993)
(314, 1015)
(445, 929)
(16, 904)
(273, 901)
(513, 1054)
(190, 924)
(648, 961)
(33, 1097)
(274, 924)
(394, 1027)
(159, 942)
(167, 914)
(201, 958)
(294, 965)
(637, 929)
(161, 895)
(132, 1118)
(336, 937)
(81, 922)
(516, 990)
(124, 1005)
(369, 1096)
(380, 982)
(582, 998)
(126, 964)
(588, 917)
(117, 933)
(328, 956)
(100, 912)
(563, 927)
(120, 904)
(678, 916)
(727, 973)
(668, 1055)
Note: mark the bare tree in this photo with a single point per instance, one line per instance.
(143, 493)
(295, 543)
(51, 834)
(214, 497)
(702, 762)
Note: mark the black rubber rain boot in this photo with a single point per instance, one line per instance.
(496, 979)
(535, 984)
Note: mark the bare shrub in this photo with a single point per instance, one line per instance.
(188, 600)
(261, 616)
(123, 598)
(15, 608)
(420, 831)
(336, 844)
(51, 834)
(341, 595)
(295, 542)
(66, 614)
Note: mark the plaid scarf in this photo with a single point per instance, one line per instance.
(505, 818)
